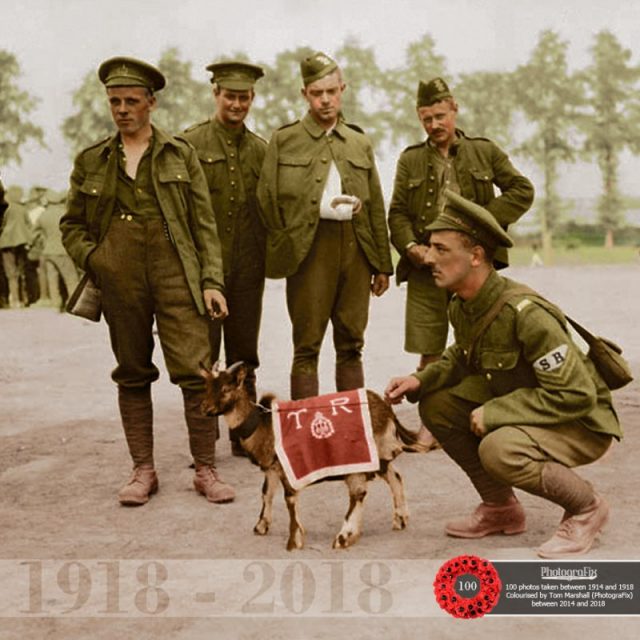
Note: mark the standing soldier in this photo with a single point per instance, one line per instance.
(322, 205)
(15, 237)
(139, 220)
(468, 166)
(231, 156)
(3, 204)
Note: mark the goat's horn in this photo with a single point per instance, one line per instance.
(235, 366)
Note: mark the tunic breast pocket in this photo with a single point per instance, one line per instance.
(483, 185)
(213, 165)
(501, 370)
(356, 182)
(92, 188)
(175, 181)
(415, 194)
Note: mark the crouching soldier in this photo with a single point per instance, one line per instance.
(513, 401)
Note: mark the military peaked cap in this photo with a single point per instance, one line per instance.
(317, 66)
(433, 91)
(129, 72)
(234, 75)
(460, 214)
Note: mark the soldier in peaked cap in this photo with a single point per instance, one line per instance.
(447, 159)
(139, 220)
(231, 156)
(322, 205)
(539, 406)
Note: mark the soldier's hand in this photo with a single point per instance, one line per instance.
(354, 201)
(379, 284)
(399, 387)
(476, 422)
(417, 255)
(216, 304)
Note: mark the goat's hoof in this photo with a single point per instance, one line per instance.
(400, 522)
(294, 543)
(262, 528)
(343, 541)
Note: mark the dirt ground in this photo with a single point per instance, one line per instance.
(63, 459)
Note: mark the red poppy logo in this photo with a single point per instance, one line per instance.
(467, 587)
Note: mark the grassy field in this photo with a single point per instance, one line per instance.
(522, 256)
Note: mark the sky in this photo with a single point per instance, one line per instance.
(57, 42)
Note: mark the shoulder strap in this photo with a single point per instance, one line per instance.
(491, 315)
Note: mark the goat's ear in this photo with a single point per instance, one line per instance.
(204, 372)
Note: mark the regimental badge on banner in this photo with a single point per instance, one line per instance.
(328, 435)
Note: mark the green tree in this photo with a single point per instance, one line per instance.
(15, 106)
(278, 100)
(612, 122)
(486, 105)
(401, 84)
(365, 96)
(184, 101)
(181, 103)
(92, 120)
(549, 97)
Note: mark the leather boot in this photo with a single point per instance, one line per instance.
(487, 519)
(349, 377)
(304, 385)
(207, 481)
(142, 484)
(203, 430)
(585, 514)
(136, 413)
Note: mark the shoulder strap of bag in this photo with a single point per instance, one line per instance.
(493, 312)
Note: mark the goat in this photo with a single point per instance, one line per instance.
(227, 395)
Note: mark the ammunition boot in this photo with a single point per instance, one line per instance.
(487, 519)
(577, 532)
(142, 484)
(209, 484)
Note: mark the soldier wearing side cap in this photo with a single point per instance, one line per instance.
(540, 407)
(322, 205)
(447, 159)
(139, 221)
(231, 156)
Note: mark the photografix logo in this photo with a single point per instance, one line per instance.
(565, 573)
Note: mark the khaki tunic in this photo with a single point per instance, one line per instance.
(477, 164)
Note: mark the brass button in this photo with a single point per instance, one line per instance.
(422, 218)
(232, 198)
(232, 168)
(430, 190)
(314, 201)
(129, 217)
(318, 179)
(229, 213)
(324, 160)
(465, 352)
(488, 375)
(429, 204)
(232, 155)
(229, 229)
(122, 217)
(228, 141)
(233, 183)
(499, 365)
(179, 176)
(94, 190)
(432, 177)
(209, 159)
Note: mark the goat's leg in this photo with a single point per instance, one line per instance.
(400, 508)
(296, 531)
(352, 526)
(269, 486)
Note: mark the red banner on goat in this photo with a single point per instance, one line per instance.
(327, 435)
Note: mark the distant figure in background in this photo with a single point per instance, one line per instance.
(15, 238)
(36, 276)
(3, 204)
(56, 263)
(536, 258)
